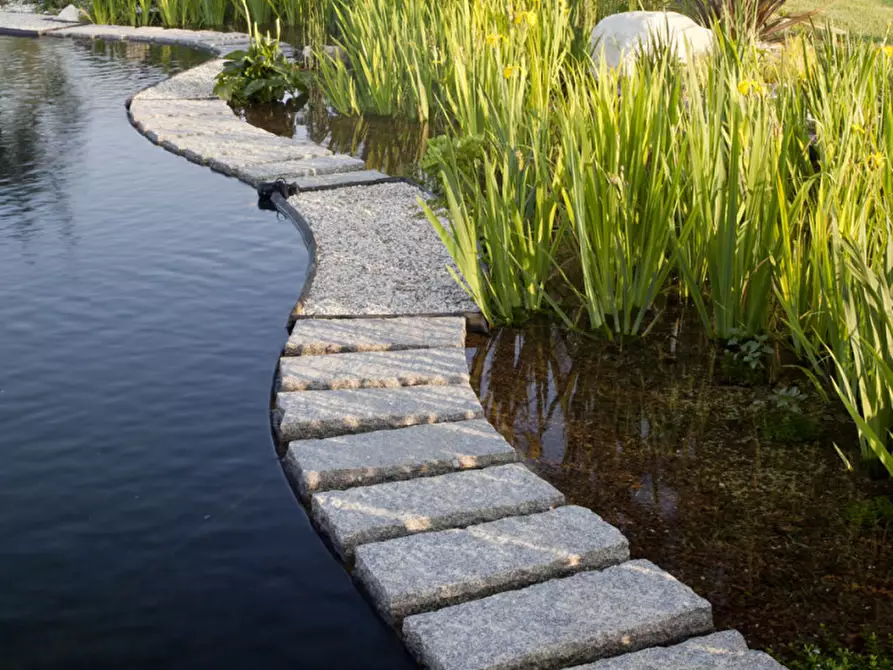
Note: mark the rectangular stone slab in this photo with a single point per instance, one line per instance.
(317, 414)
(428, 571)
(561, 622)
(373, 369)
(720, 651)
(391, 455)
(328, 336)
(374, 513)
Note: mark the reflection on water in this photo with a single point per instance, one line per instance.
(393, 146)
(777, 536)
(144, 517)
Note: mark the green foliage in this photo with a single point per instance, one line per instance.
(746, 19)
(261, 75)
(757, 188)
(468, 152)
(785, 421)
(878, 655)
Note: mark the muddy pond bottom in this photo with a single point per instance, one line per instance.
(736, 490)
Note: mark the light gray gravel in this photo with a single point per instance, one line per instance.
(390, 455)
(561, 622)
(329, 336)
(374, 369)
(377, 255)
(317, 414)
(432, 570)
(720, 651)
(374, 513)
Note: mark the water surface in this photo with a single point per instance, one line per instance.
(145, 520)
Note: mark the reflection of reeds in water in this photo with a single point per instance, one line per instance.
(536, 382)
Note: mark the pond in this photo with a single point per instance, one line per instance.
(146, 521)
(785, 543)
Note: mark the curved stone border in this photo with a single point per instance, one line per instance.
(475, 556)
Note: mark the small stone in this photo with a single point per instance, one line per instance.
(391, 455)
(318, 414)
(374, 513)
(429, 571)
(71, 13)
(328, 336)
(561, 622)
(620, 39)
(720, 651)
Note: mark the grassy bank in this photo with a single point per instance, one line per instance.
(871, 18)
(755, 186)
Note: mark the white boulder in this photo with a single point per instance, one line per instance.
(620, 39)
(70, 13)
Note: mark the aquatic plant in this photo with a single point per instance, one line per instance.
(262, 74)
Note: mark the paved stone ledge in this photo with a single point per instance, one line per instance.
(412, 367)
(428, 571)
(720, 651)
(317, 414)
(26, 23)
(384, 511)
(561, 622)
(329, 336)
(377, 255)
(392, 455)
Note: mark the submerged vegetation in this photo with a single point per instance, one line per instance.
(753, 184)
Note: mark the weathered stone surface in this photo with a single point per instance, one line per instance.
(323, 162)
(620, 39)
(377, 231)
(428, 571)
(720, 651)
(201, 39)
(328, 336)
(374, 513)
(150, 110)
(340, 179)
(71, 14)
(27, 23)
(374, 369)
(317, 414)
(390, 455)
(561, 622)
(195, 84)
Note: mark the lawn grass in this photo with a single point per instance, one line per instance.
(871, 18)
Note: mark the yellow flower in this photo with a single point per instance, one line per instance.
(510, 71)
(875, 161)
(528, 18)
(887, 50)
(494, 39)
(748, 86)
(859, 130)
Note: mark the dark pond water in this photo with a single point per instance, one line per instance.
(704, 477)
(145, 520)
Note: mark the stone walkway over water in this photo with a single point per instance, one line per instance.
(477, 561)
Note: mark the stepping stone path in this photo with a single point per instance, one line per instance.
(475, 559)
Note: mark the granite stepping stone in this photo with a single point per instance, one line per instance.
(319, 414)
(561, 622)
(720, 651)
(384, 511)
(428, 571)
(372, 369)
(390, 455)
(328, 336)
